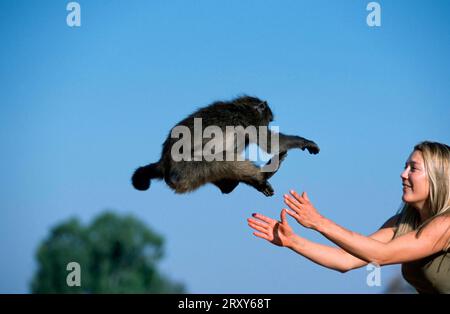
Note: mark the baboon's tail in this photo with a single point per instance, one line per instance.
(142, 176)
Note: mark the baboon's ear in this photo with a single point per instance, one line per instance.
(261, 107)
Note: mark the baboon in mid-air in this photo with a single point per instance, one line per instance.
(187, 175)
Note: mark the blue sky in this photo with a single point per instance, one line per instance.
(81, 108)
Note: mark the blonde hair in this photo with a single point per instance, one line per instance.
(436, 157)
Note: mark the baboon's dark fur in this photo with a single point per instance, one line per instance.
(186, 176)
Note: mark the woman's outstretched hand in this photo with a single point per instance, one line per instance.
(274, 231)
(303, 210)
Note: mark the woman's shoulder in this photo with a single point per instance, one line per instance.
(440, 222)
(438, 229)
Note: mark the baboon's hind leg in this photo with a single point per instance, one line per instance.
(249, 174)
(264, 187)
(226, 185)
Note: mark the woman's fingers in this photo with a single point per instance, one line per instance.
(292, 214)
(264, 218)
(305, 196)
(261, 235)
(258, 222)
(258, 228)
(285, 211)
(300, 199)
(291, 205)
(293, 200)
(283, 216)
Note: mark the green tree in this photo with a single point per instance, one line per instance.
(116, 255)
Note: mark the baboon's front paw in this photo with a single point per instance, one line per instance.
(267, 190)
(312, 148)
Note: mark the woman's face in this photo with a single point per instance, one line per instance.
(415, 181)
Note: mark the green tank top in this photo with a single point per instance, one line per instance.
(430, 274)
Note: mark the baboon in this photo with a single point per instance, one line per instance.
(187, 175)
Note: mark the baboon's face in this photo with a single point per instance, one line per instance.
(269, 114)
(260, 107)
(264, 111)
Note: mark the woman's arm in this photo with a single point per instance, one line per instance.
(399, 250)
(405, 248)
(337, 258)
(280, 233)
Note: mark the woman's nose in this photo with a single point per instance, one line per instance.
(404, 174)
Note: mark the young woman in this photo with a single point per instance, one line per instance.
(418, 237)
